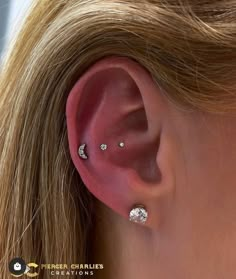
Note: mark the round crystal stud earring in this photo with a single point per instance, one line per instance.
(138, 214)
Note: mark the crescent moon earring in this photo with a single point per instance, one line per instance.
(82, 153)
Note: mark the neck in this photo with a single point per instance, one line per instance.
(193, 251)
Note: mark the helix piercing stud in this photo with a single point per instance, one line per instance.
(138, 214)
(82, 153)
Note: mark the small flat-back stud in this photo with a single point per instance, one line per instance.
(103, 146)
(121, 144)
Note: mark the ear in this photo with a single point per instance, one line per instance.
(117, 103)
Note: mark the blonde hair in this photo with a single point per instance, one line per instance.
(189, 48)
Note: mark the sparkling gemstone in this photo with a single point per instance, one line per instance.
(103, 146)
(138, 215)
(81, 152)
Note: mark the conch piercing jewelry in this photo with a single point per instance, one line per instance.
(138, 214)
(121, 144)
(103, 146)
(82, 153)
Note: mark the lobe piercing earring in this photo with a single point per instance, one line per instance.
(82, 153)
(138, 214)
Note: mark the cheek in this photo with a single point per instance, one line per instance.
(204, 202)
(206, 173)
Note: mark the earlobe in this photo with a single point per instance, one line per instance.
(115, 119)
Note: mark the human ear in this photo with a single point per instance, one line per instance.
(117, 103)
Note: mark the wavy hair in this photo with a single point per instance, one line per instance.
(189, 48)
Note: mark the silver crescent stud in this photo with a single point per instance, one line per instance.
(82, 153)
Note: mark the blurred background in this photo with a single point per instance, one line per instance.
(12, 13)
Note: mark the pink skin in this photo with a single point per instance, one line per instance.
(180, 165)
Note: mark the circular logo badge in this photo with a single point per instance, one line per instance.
(17, 266)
